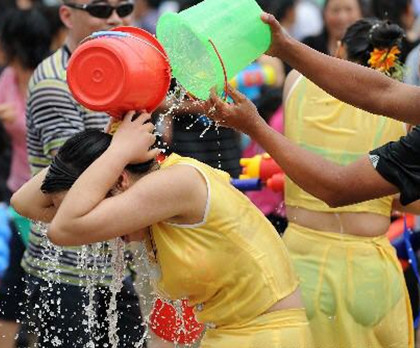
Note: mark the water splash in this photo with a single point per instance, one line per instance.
(119, 265)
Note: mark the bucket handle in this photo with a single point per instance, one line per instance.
(120, 34)
(223, 67)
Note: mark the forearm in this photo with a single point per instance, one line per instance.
(334, 184)
(29, 201)
(90, 189)
(352, 83)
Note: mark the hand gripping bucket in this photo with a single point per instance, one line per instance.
(208, 44)
(119, 70)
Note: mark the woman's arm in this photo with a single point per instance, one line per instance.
(85, 216)
(334, 184)
(354, 84)
(29, 201)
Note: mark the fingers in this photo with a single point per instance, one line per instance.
(153, 153)
(236, 96)
(151, 139)
(269, 19)
(133, 116)
(143, 118)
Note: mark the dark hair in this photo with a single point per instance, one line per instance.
(391, 10)
(369, 33)
(53, 16)
(76, 155)
(25, 35)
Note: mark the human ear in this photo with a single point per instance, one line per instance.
(65, 16)
(123, 182)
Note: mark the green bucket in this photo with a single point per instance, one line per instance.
(211, 42)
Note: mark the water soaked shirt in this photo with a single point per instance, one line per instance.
(340, 133)
(233, 265)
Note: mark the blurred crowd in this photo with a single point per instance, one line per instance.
(33, 30)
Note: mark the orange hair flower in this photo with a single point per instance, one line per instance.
(383, 59)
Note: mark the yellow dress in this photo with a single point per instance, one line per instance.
(231, 267)
(353, 287)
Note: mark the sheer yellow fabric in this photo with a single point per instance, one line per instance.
(339, 132)
(353, 288)
(232, 266)
(281, 329)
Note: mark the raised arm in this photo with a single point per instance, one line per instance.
(30, 202)
(334, 184)
(352, 83)
(87, 216)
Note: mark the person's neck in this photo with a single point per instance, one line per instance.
(71, 43)
(332, 46)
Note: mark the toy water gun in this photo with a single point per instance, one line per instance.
(5, 235)
(260, 171)
(250, 80)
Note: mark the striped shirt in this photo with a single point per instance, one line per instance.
(52, 116)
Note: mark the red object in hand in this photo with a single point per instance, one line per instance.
(181, 328)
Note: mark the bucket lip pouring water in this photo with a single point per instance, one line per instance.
(206, 41)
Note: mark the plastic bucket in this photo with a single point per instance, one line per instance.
(119, 70)
(211, 42)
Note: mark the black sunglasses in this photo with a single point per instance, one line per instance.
(103, 10)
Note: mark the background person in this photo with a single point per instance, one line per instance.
(52, 117)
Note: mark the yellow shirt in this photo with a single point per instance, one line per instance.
(233, 265)
(340, 133)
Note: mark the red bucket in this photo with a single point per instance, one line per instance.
(119, 70)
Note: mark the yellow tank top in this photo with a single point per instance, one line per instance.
(340, 133)
(233, 265)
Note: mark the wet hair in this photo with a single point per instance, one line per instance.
(363, 36)
(76, 155)
(25, 35)
(391, 10)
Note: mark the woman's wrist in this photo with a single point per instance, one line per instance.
(117, 156)
(258, 130)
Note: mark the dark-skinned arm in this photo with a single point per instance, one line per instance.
(334, 184)
(352, 83)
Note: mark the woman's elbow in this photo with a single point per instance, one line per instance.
(59, 236)
(336, 199)
(17, 205)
